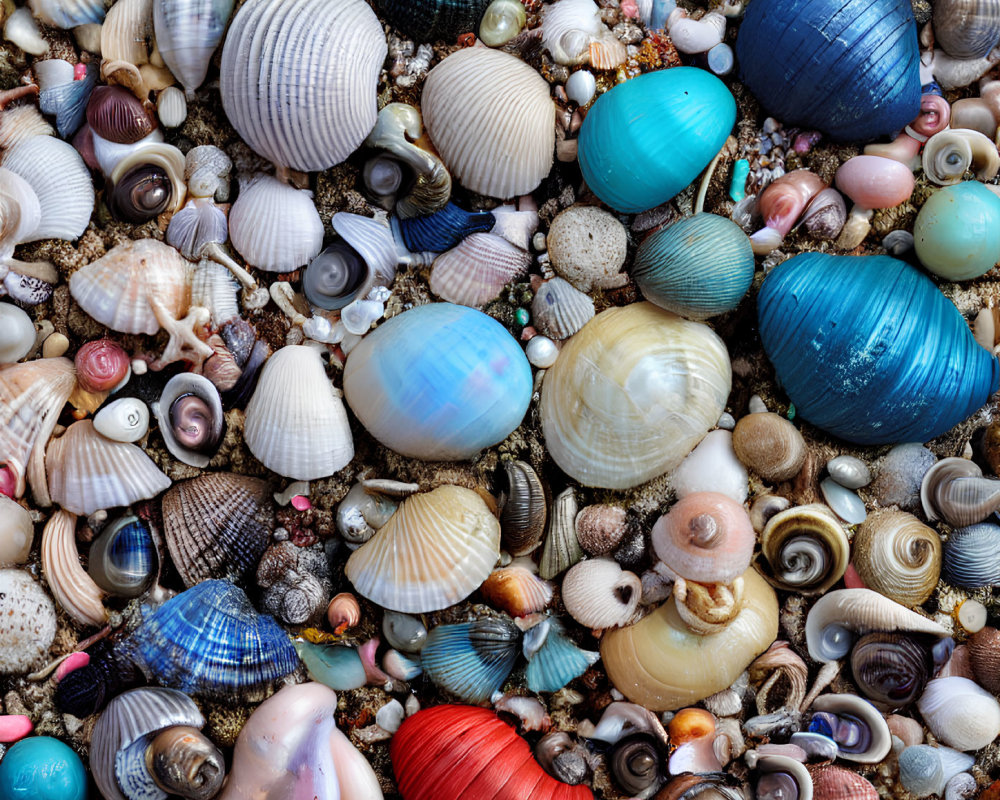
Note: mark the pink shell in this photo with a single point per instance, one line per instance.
(101, 365)
(875, 182)
(8, 481)
(935, 114)
(72, 662)
(783, 202)
(14, 727)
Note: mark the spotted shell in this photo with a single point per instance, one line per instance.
(27, 621)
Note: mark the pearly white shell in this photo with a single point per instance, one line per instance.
(16, 532)
(598, 593)
(187, 34)
(17, 334)
(960, 713)
(125, 420)
(171, 107)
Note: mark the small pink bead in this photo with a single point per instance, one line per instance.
(8, 481)
(79, 72)
(72, 662)
(528, 333)
(630, 9)
(852, 580)
(301, 503)
(14, 727)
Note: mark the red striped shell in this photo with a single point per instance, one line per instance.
(456, 752)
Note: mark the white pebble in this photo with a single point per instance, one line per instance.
(538, 242)
(756, 405)
(581, 86)
(390, 716)
(412, 705)
(726, 421)
(849, 471)
(845, 503)
(971, 615)
(541, 351)
(17, 334)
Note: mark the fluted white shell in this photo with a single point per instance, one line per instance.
(274, 226)
(17, 333)
(187, 35)
(67, 14)
(598, 593)
(296, 424)
(88, 472)
(631, 395)
(435, 550)
(71, 584)
(559, 309)
(124, 420)
(492, 120)
(20, 209)
(126, 31)
(474, 271)
(960, 713)
(198, 223)
(171, 107)
(214, 287)
(299, 77)
(16, 532)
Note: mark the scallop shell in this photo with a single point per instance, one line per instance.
(960, 713)
(898, 556)
(770, 445)
(836, 783)
(299, 79)
(187, 35)
(474, 272)
(524, 509)
(599, 594)
(16, 533)
(27, 622)
(88, 473)
(631, 394)
(75, 590)
(296, 424)
(559, 309)
(124, 420)
(499, 105)
(433, 552)
(806, 549)
(471, 660)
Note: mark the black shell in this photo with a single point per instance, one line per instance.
(426, 20)
(87, 690)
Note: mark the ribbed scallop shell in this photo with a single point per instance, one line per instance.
(67, 14)
(562, 547)
(557, 661)
(770, 445)
(433, 552)
(118, 288)
(217, 525)
(75, 590)
(88, 472)
(274, 226)
(27, 621)
(806, 549)
(298, 79)
(296, 424)
(960, 713)
(517, 590)
(898, 556)
(599, 594)
(492, 120)
(471, 660)
(187, 34)
(475, 271)
(427, 20)
(972, 556)
(631, 394)
(559, 309)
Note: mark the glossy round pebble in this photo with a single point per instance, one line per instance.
(971, 615)
(845, 503)
(541, 352)
(581, 87)
(42, 768)
(17, 334)
(849, 472)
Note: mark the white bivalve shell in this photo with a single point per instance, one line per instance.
(960, 713)
(299, 78)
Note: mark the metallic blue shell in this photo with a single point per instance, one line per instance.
(869, 350)
(123, 559)
(847, 67)
(443, 229)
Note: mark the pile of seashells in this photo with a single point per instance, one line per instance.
(530, 400)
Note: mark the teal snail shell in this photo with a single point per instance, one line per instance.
(957, 232)
(869, 350)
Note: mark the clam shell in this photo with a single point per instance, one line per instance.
(770, 445)
(849, 704)
(199, 386)
(890, 668)
(496, 103)
(16, 533)
(599, 594)
(559, 309)
(471, 660)
(517, 590)
(966, 28)
(433, 552)
(27, 622)
(298, 79)
(805, 548)
(124, 560)
(960, 713)
(524, 509)
(474, 272)
(898, 556)
(125, 420)
(171, 107)
(972, 556)
(187, 35)
(75, 590)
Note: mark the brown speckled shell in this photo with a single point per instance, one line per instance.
(770, 445)
(984, 652)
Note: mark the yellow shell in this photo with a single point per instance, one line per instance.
(898, 556)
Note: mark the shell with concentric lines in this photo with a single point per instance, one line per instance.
(898, 556)
(298, 79)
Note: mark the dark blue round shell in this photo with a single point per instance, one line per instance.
(869, 350)
(847, 67)
(426, 20)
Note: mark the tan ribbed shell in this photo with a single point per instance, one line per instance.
(898, 556)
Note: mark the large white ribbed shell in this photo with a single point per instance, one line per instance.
(88, 472)
(299, 77)
(117, 288)
(296, 423)
(433, 552)
(274, 226)
(20, 212)
(187, 33)
(67, 14)
(492, 120)
(474, 271)
(631, 394)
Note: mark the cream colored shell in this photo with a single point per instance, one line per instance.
(75, 590)
(16, 532)
(492, 120)
(960, 713)
(473, 272)
(898, 556)
(27, 621)
(598, 593)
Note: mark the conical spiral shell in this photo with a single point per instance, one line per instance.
(75, 590)
(474, 272)
(805, 548)
(187, 35)
(298, 79)
(492, 120)
(898, 556)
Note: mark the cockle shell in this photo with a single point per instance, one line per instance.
(599, 594)
(836, 783)
(960, 713)
(805, 548)
(971, 556)
(298, 79)
(898, 556)
(16, 533)
(770, 445)
(75, 590)
(433, 552)
(471, 660)
(474, 272)
(499, 105)
(171, 107)
(631, 394)
(187, 35)
(559, 309)
(27, 621)
(984, 655)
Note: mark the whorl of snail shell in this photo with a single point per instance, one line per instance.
(782, 778)
(524, 510)
(805, 549)
(191, 418)
(770, 445)
(955, 490)
(890, 668)
(101, 365)
(948, 155)
(779, 660)
(860, 730)
(561, 758)
(142, 193)
(335, 277)
(898, 556)
(636, 763)
(183, 761)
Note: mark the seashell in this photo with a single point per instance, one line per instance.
(695, 35)
(599, 594)
(293, 389)
(708, 608)
(517, 221)
(825, 215)
(186, 36)
(194, 228)
(428, 20)
(303, 101)
(16, 727)
(770, 445)
(966, 28)
(62, 95)
(76, 591)
(861, 732)
(349, 269)
(404, 632)
(274, 226)
(955, 490)
(336, 666)
(503, 20)
(849, 472)
(839, 614)
(556, 661)
(295, 581)
(660, 664)
(22, 29)
(926, 770)
(834, 782)
(124, 559)
(124, 420)
(572, 31)
(67, 14)
(434, 551)
(292, 744)
(709, 786)
(16, 533)
(497, 101)
(898, 556)
(805, 548)
(209, 641)
(695, 105)
(190, 417)
(117, 115)
(368, 506)
(88, 473)
(600, 529)
(636, 763)
(960, 713)
(705, 537)
(471, 660)
(343, 612)
(17, 334)
(146, 183)
(523, 509)
(983, 654)
(171, 107)
(22, 212)
(698, 267)
(44, 768)
(562, 548)
(871, 182)
(949, 154)
(474, 272)
(890, 668)
(954, 233)
(126, 32)
(781, 205)
(782, 778)
(102, 365)
(850, 71)
(971, 558)
(630, 432)
(418, 385)
(443, 229)
(559, 309)
(712, 467)
(587, 246)
(27, 622)
(206, 171)
(874, 328)
(900, 473)
(844, 503)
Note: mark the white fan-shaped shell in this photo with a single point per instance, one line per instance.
(296, 424)
(559, 309)
(187, 34)
(298, 79)
(474, 271)
(75, 590)
(117, 288)
(20, 210)
(598, 593)
(492, 120)
(88, 472)
(61, 181)
(435, 551)
(67, 14)
(274, 226)
(126, 30)
(960, 713)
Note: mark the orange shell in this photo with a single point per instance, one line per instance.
(690, 724)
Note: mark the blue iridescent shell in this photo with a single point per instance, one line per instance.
(849, 68)
(123, 559)
(68, 101)
(869, 350)
(444, 229)
(971, 556)
(42, 768)
(426, 20)
(439, 382)
(471, 659)
(646, 139)
(557, 661)
(210, 641)
(957, 232)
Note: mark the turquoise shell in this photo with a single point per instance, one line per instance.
(646, 139)
(471, 660)
(42, 768)
(698, 267)
(869, 350)
(557, 661)
(333, 665)
(439, 382)
(957, 232)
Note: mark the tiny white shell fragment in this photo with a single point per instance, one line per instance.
(541, 352)
(390, 716)
(171, 107)
(17, 334)
(848, 471)
(712, 467)
(125, 420)
(581, 87)
(845, 503)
